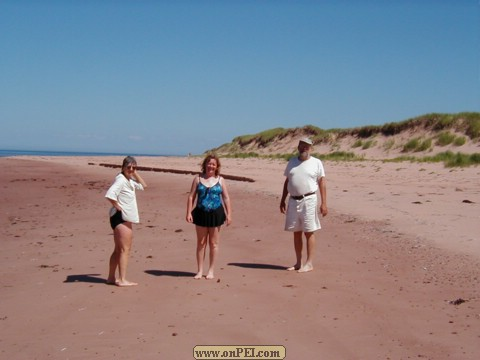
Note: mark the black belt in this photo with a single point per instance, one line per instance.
(303, 196)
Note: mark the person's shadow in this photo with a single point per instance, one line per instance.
(258, 266)
(173, 273)
(86, 278)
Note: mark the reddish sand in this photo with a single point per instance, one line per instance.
(399, 246)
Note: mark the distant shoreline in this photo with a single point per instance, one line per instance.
(8, 153)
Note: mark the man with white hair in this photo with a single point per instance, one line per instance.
(305, 175)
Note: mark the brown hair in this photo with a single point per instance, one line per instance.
(207, 159)
(129, 160)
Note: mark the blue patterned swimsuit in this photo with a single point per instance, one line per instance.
(209, 211)
(209, 198)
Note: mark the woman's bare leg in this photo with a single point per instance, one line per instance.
(123, 236)
(113, 266)
(214, 239)
(202, 235)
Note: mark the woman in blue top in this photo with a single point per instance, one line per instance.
(212, 210)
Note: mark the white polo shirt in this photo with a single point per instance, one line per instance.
(303, 175)
(123, 191)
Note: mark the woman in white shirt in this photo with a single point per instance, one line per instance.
(123, 214)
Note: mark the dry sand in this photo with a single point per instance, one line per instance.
(399, 245)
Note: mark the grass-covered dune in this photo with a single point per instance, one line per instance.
(450, 138)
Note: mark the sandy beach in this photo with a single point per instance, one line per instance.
(396, 276)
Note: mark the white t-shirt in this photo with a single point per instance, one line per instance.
(303, 175)
(123, 191)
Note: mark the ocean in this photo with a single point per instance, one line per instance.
(4, 153)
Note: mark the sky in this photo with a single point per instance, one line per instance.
(185, 76)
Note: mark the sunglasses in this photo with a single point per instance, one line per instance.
(131, 167)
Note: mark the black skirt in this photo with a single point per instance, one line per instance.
(212, 218)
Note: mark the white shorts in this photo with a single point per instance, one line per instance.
(302, 215)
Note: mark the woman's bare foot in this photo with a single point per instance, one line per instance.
(125, 283)
(306, 268)
(210, 276)
(295, 267)
(198, 276)
(111, 282)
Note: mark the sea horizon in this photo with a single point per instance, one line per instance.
(8, 152)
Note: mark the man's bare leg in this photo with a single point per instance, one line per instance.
(308, 266)
(298, 244)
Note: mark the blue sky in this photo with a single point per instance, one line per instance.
(179, 77)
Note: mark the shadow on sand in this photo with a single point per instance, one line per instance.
(258, 266)
(173, 273)
(86, 278)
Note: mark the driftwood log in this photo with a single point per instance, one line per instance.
(176, 171)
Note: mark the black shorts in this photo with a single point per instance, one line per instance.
(116, 219)
(212, 218)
